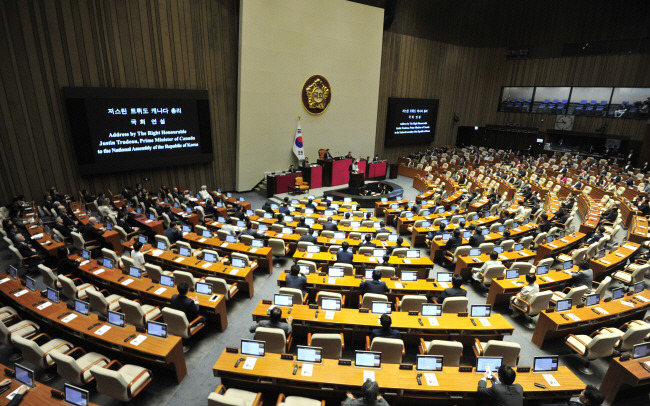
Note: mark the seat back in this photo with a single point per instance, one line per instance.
(391, 349)
(540, 239)
(368, 298)
(247, 261)
(508, 245)
(277, 246)
(153, 272)
(522, 267)
(111, 383)
(184, 244)
(602, 345)
(492, 272)
(527, 241)
(399, 252)
(634, 335)
(639, 274)
(486, 247)
(603, 286)
(463, 250)
(183, 276)
(127, 262)
(575, 294)
(219, 286)
(77, 240)
(332, 344)
(133, 313)
(67, 367)
(451, 351)
(386, 271)
(311, 264)
(31, 351)
(539, 302)
(348, 269)
(324, 294)
(275, 339)
(164, 239)
(509, 351)
(454, 304)
(177, 323)
(97, 302)
(412, 303)
(68, 288)
(49, 279)
(293, 292)
(579, 254)
(546, 262)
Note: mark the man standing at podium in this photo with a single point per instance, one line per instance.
(327, 156)
(353, 168)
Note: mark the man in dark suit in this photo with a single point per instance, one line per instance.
(174, 233)
(249, 231)
(309, 237)
(376, 285)
(32, 257)
(292, 169)
(610, 214)
(284, 209)
(368, 242)
(90, 233)
(344, 254)
(189, 306)
(455, 241)
(577, 185)
(545, 225)
(597, 236)
(385, 331)
(456, 289)
(327, 155)
(644, 207)
(121, 221)
(382, 228)
(67, 221)
(398, 244)
(477, 237)
(590, 396)
(330, 225)
(295, 280)
(58, 226)
(305, 163)
(505, 392)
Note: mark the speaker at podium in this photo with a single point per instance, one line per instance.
(357, 180)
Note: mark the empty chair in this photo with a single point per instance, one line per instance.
(154, 272)
(599, 345)
(540, 239)
(348, 269)
(244, 257)
(630, 278)
(278, 249)
(221, 287)
(450, 350)
(492, 272)
(522, 267)
(386, 271)
(165, 240)
(366, 251)
(392, 349)
(23, 328)
(234, 397)
(575, 294)
(77, 370)
(602, 287)
(275, 339)
(331, 343)
(463, 250)
(546, 262)
(112, 255)
(632, 333)
(101, 303)
(74, 288)
(137, 314)
(330, 295)
(411, 303)
(538, 303)
(576, 255)
(454, 304)
(186, 245)
(49, 279)
(178, 325)
(311, 264)
(399, 252)
(122, 384)
(526, 241)
(297, 401)
(508, 245)
(7, 313)
(497, 348)
(39, 354)
(366, 300)
(486, 247)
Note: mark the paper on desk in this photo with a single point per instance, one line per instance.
(4, 280)
(399, 285)
(548, 279)
(573, 317)
(44, 305)
(148, 221)
(100, 331)
(516, 229)
(643, 299)
(601, 310)
(310, 255)
(159, 291)
(485, 322)
(179, 259)
(331, 281)
(647, 363)
(307, 369)
(139, 339)
(250, 363)
(406, 261)
(629, 247)
(444, 284)
(22, 292)
(202, 239)
(522, 253)
(280, 235)
(551, 380)
(157, 253)
(626, 303)
(605, 262)
(368, 375)
(12, 394)
(127, 282)
(97, 272)
(431, 379)
(618, 254)
(433, 321)
(552, 245)
(329, 315)
(253, 250)
(224, 245)
(69, 318)
(206, 265)
(503, 257)
(517, 283)
(563, 240)
(234, 271)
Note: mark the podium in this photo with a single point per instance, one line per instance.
(357, 179)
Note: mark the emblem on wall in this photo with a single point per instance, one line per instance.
(316, 94)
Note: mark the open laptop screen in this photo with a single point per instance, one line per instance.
(367, 359)
(204, 288)
(493, 362)
(253, 347)
(167, 280)
(75, 396)
(309, 354)
(429, 363)
(545, 364)
(409, 276)
(283, 300)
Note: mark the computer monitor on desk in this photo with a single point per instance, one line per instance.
(444, 276)
(542, 270)
(409, 276)
(167, 280)
(381, 308)
(75, 396)
(282, 300)
(481, 310)
(431, 310)
(24, 375)
(367, 359)
(618, 293)
(512, 274)
(493, 362)
(204, 288)
(309, 354)
(546, 364)
(116, 318)
(431, 363)
(253, 348)
(564, 305)
(335, 272)
(81, 307)
(157, 329)
(330, 304)
(641, 351)
(52, 295)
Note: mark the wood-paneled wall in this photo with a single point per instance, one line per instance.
(48, 45)
(468, 81)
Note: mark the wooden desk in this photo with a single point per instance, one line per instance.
(330, 381)
(111, 238)
(502, 289)
(45, 243)
(638, 231)
(192, 218)
(262, 256)
(142, 221)
(361, 262)
(622, 374)
(589, 210)
(613, 260)
(162, 352)
(552, 325)
(548, 250)
(170, 260)
(354, 244)
(465, 264)
(380, 206)
(150, 292)
(356, 325)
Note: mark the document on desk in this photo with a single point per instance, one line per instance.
(406, 261)
(224, 245)
(629, 247)
(307, 369)
(44, 305)
(22, 292)
(552, 245)
(97, 272)
(368, 375)
(601, 310)
(605, 262)
(573, 317)
(551, 380)
(563, 240)
(517, 283)
(4, 280)
(157, 253)
(253, 250)
(399, 285)
(250, 363)
(203, 239)
(206, 265)
(626, 303)
(548, 279)
(331, 281)
(234, 271)
(159, 291)
(433, 321)
(431, 379)
(444, 284)
(280, 235)
(643, 299)
(309, 255)
(103, 329)
(69, 318)
(139, 339)
(485, 322)
(618, 254)
(127, 282)
(503, 257)
(329, 315)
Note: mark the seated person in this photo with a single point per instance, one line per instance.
(584, 277)
(385, 331)
(494, 260)
(174, 233)
(456, 289)
(189, 306)
(477, 238)
(526, 293)
(504, 391)
(368, 242)
(590, 396)
(275, 321)
(398, 244)
(295, 280)
(376, 285)
(344, 254)
(370, 393)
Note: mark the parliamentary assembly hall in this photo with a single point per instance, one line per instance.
(324, 202)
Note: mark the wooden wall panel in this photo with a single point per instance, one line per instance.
(468, 82)
(48, 45)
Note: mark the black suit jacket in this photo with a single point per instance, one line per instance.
(186, 305)
(451, 292)
(502, 395)
(308, 238)
(330, 227)
(296, 282)
(90, 233)
(476, 239)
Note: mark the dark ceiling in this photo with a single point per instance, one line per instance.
(518, 23)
